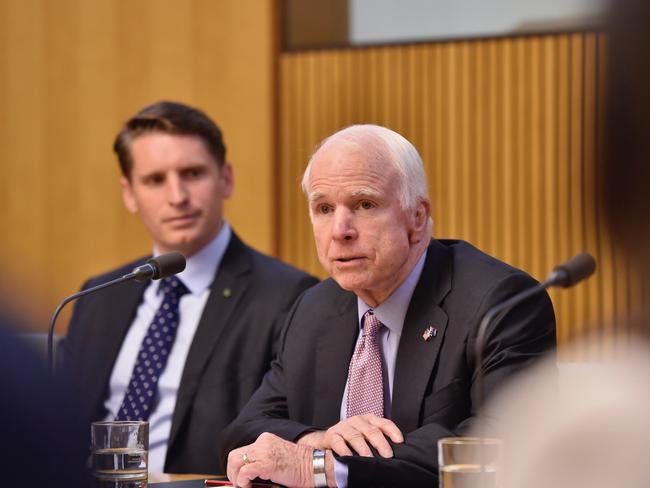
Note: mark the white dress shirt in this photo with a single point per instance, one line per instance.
(197, 277)
(391, 313)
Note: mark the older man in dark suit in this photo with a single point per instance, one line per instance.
(378, 363)
(185, 353)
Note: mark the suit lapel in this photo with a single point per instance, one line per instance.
(115, 321)
(335, 348)
(416, 356)
(227, 290)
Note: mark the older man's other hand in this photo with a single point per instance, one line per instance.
(271, 458)
(354, 434)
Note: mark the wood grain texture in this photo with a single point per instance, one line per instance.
(508, 129)
(72, 72)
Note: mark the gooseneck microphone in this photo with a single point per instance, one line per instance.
(565, 275)
(159, 267)
(155, 268)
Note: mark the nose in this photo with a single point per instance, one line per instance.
(343, 227)
(177, 193)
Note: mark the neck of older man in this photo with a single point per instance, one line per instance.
(375, 297)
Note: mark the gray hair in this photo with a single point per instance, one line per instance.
(385, 145)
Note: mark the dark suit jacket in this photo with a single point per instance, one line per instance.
(434, 392)
(236, 339)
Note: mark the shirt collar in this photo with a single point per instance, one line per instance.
(392, 311)
(201, 267)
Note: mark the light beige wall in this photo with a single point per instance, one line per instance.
(508, 130)
(72, 72)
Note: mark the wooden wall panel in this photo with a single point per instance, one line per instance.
(508, 130)
(72, 72)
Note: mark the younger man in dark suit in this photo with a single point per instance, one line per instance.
(378, 362)
(187, 352)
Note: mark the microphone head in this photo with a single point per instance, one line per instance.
(576, 269)
(167, 264)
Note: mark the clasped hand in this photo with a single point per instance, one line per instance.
(273, 458)
(356, 435)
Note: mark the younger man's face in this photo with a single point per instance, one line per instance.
(178, 189)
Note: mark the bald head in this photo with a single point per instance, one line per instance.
(384, 147)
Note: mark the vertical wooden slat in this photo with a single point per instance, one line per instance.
(440, 160)
(593, 303)
(562, 238)
(535, 179)
(508, 135)
(574, 212)
(465, 181)
(493, 141)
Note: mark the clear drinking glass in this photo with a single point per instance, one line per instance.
(469, 462)
(120, 453)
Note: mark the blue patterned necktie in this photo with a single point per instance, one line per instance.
(153, 354)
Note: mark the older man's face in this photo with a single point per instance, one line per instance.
(363, 237)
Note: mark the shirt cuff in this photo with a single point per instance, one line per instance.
(341, 473)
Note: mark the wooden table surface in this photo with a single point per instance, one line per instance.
(161, 477)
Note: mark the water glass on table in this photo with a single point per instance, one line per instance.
(120, 454)
(469, 462)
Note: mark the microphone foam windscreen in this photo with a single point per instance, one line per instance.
(576, 269)
(168, 264)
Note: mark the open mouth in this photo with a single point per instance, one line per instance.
(348, 259)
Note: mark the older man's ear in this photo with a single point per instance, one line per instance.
(421, 221)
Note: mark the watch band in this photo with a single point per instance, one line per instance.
(320, 479)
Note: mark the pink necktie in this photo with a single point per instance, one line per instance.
(365, 376)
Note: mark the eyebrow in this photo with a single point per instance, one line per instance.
(366, 192)
(361, 192)
(312, 197)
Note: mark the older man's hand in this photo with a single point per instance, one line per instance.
(355, 433)
(271, 458)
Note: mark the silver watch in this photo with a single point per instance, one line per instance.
(320, 479)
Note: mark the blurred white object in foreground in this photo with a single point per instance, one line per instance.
(588, 428)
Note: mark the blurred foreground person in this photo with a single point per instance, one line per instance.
(593, 429)
(42, 441)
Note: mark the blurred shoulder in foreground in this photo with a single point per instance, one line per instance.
(42, 442)
(589, 428)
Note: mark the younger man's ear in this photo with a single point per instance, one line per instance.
(127, 195)
(228, 179)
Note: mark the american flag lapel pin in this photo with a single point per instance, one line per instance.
(429, 332)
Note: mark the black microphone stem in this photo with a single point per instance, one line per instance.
(487, 319)
(567, 274)
(50, 333)
(155, 268)
(480, 345)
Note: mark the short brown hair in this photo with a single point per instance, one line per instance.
(169, 118)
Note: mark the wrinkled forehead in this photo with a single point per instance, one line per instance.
(349, 172)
